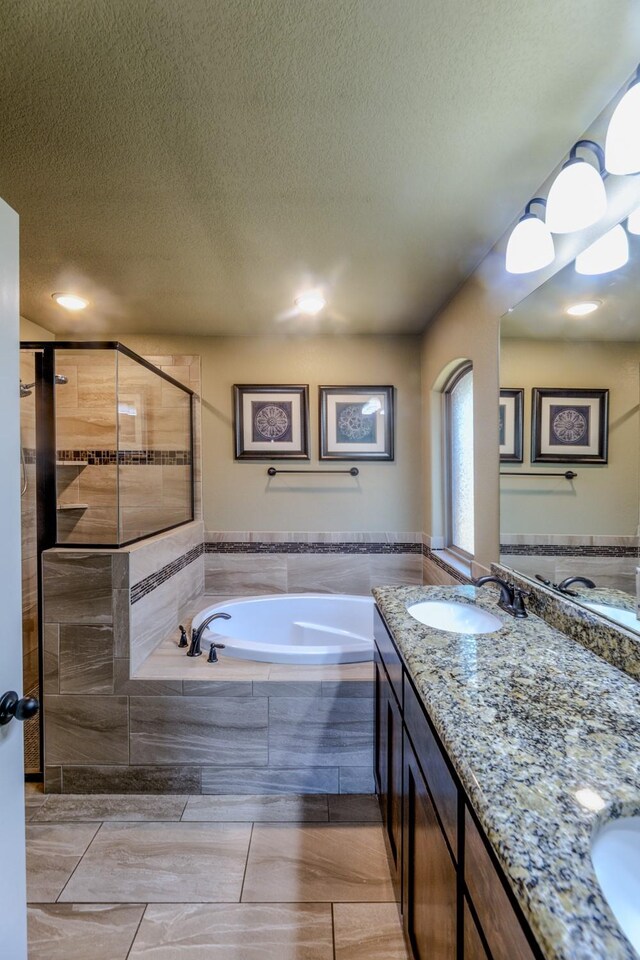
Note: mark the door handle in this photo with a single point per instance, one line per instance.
(22, 708)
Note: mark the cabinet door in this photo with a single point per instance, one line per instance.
(429, 886)
(500, 924)
(389, 770)
(380, 706)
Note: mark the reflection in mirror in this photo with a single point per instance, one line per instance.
(573, 348)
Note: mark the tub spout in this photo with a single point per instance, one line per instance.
(196, 633)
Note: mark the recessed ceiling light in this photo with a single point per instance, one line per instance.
(310, 303)
(583, 309)
(70, 301)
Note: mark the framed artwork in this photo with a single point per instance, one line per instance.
(511, 419)
(356, 423)
(569, 426)
(271, 422)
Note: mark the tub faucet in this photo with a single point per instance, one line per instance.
(511, 597)
(196, 633)
(183, 637)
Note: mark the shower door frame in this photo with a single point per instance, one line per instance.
(46, 476)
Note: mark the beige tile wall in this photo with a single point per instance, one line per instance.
(244, 574)
(150, 497)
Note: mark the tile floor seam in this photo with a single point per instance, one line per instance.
(333, 932)
(80, 858)
(246, 863)
(146, 907)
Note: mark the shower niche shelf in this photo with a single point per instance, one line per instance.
(72, 463)
(62, 507)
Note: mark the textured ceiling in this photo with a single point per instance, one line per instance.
(191, 165)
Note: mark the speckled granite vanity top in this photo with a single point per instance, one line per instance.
(529, 717)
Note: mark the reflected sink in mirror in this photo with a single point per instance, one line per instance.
(454, 617)
(626, 618)
(615, 853)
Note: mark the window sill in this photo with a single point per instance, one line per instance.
(456, 562)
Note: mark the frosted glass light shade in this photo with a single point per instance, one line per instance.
(633, 222)
(609, 252)
(622, 145)
(577, 198)
(530, 246)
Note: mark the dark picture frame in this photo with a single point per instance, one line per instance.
(357, 422)
(271, 421)
(511, 424)
(569, 426)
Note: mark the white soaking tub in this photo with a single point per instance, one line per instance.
(293, 628)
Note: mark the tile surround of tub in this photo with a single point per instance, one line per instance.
(110, 731)
(245, 563)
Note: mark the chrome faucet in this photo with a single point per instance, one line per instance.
(511, 597)
(196, 633)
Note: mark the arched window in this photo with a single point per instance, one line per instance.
(458, 433)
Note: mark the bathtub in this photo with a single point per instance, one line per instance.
(293, 628)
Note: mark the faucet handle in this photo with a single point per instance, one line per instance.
(213, 656)
(184, 642)
(519, 609)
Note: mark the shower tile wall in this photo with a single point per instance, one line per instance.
(147, 420)
(86, 423)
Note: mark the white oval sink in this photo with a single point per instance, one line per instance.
(615, 853)
(626, 618)
(454, 617)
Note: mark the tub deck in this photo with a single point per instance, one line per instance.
(168, 662)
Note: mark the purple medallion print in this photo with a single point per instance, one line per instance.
(271, 421)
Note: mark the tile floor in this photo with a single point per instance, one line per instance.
(142, 877)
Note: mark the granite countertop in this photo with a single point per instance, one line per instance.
(529, 717)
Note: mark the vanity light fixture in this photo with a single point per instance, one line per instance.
(622, 144)
(70, 301)
(583, 309)
(577, 198)
(310, 303)
(609, 252)
(530, 245)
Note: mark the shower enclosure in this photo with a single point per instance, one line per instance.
(106, 460)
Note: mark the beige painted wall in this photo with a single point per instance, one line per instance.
(33, 331)
(239, 496)
(466, 329)
(603, 500)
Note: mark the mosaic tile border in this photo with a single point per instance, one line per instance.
(150, 583)
(309, 546)
(131, 458)
(567, 550)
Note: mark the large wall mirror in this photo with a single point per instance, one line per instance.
(570, 437)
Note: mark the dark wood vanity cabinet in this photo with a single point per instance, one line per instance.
(454, 899)
(429, 889)
(388, 770)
